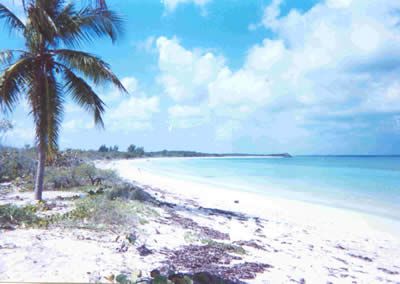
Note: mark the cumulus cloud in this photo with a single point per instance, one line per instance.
(112, 95)
(146, 45)
(74, 125)
(183, 116)
(135, 113)
(130, 112)
(202, 85)
(227, 130)
(343, 53)
(23, 132)
(185, 74)
(124, 112)
(338, 59)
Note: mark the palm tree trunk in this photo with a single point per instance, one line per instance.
(40, 173)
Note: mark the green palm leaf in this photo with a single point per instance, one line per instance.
(12, 21)
(14, 80)
(83, 95)
(76, 27)
(91, 66)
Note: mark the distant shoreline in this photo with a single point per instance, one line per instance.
(178, 154)
(289, 229)
(135, 170)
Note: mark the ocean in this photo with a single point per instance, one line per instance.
(369, 184)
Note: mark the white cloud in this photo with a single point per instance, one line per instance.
(330, 50)
(271, 14)
(171, 5)
(340, 58)
(184, 111)
(204, 86)
(202, 78)
(146, 45)
(16, 7)
(135, 113)
(130, 84)
(78, 124)
(241, 88)
(123, 112)
(182, 116)
(185, 74)
(227, 130)
(113, 95)
(71, 107)
(23, 132)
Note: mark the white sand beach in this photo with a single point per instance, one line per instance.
(305, 241)
(296, 242)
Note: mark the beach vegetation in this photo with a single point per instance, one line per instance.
(83, 175)
(103, 149)
(50, 66)
(16, 164)
(11, 215)
(5, 126)
(191, 237)
(127, 191)
(98, 211)
(131, 148)
(224, 246)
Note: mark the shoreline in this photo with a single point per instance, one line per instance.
(138, 172)
(316, 243)
(193, 228)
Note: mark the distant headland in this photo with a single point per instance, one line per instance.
(174, 153)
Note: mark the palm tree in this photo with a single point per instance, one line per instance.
(50, 67)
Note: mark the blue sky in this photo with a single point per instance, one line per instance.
(305, 77)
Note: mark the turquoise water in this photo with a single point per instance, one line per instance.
(370, 184)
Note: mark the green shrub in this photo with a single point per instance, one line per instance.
(100, 211)
(13, 215)
(15, 163)
(130, 192)
(78, 176)
(227, 247)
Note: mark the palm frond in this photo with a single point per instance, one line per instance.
(7, 56)
(83, 94)
(91, 66)
(12, 21)
(14, 80)
(43, 23)
(87, 24)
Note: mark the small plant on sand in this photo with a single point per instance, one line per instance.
(225, 246)
(98, 211)
(15, 164)
(157, 278)
(11, 215)
(130, 192)
(84, 175)
(191, 237)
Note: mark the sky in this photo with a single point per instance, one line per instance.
(255, 76)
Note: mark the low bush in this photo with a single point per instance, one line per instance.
(16, 216)
(78, 176)
(99, 211)
(16, 163)
(130, 192)
(225, 246)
